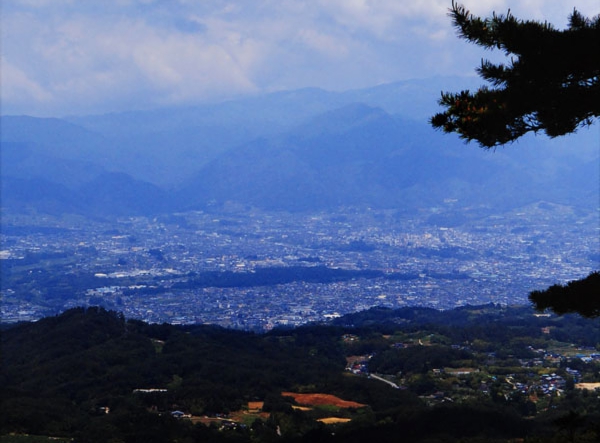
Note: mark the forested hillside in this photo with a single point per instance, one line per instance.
(93, 376)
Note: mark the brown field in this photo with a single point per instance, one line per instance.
(318, 399)
(590, 386)
(334, 420)
(255, 405)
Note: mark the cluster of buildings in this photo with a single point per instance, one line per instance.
(427, 259)
(546, 378)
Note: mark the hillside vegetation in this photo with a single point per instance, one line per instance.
(481, 373)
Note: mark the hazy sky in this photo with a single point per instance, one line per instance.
(63, 57)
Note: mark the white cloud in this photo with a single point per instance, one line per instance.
(189, 68)
(323, 43)
(66, 56)
(16, 86)
(85, 59)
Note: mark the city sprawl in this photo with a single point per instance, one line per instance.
(160, 269)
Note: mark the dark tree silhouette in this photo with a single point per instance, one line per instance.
(579, 296)
(551, 84)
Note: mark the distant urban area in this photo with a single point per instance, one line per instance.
(249, 269)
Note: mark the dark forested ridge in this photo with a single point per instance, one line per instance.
(274, 276)
(477, 373)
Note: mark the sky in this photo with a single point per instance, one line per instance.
(66, 57)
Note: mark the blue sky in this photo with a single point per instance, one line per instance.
(62, 57)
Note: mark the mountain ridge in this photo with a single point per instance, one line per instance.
(294, 150)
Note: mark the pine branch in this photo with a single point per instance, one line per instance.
(551, 84)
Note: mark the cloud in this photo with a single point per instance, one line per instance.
(383, 18)
(16, 86)
(82, 59)
(192, 68)
(62, 56)
(323, 43)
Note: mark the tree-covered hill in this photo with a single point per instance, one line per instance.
(94, 376)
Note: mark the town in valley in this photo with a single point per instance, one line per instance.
(185, 268)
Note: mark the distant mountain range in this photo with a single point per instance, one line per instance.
(298, 150)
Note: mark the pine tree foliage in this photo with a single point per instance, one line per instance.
(551, 82)
(578, 296)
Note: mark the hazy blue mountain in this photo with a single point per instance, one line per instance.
(43, 196)
(167, 146)
(359, 155)
(316, 165)
(107, 195)
(31, 161)
(411, 99)
(33, 178)
(55, 137)
(117, 193)
(61, 151)
(304, 149)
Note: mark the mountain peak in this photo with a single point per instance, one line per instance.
(348, 118)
